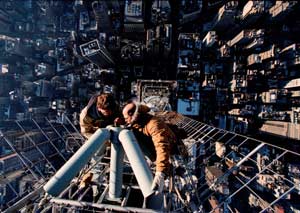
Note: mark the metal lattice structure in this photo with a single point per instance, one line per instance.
(31, 152)
(223, 172)
(236, 172)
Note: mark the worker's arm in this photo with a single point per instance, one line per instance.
(87, 127)
(161, 137)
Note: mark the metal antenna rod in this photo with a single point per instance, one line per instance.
(36, 146)
(19, 155)
(50, 141)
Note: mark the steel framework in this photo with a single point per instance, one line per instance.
(224, 172)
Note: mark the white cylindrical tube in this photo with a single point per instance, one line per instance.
(116, 165)
(137, 161)
(69, 170)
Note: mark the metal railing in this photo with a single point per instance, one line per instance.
(231, 173)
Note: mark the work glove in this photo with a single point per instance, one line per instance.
(86, 180)
(119, 121)
(158, 182)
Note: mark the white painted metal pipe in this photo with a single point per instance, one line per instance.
(137, 161)
(116, 165)
(112, 208)
(69, 170)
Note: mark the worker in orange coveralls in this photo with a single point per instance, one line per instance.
(155, 138)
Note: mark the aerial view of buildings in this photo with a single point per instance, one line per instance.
(223, 72)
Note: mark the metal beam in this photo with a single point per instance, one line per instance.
(21, 203)
(72, 167)
(82, 204)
